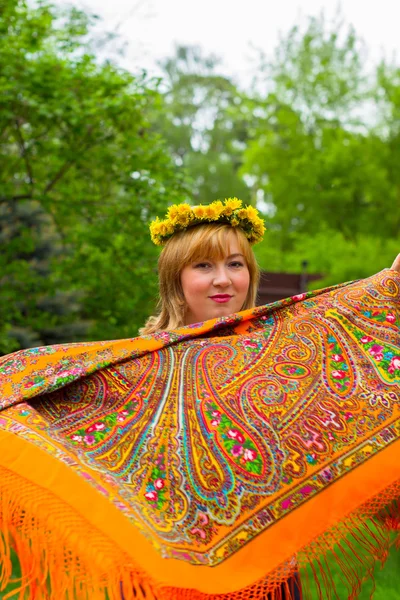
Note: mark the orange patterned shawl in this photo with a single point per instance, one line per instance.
(209, 462)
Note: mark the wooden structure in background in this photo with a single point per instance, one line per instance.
(275, 286)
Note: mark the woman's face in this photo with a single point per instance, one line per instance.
(215, 288)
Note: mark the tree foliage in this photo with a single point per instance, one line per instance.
(203, 124)
(314, 144)
(322, 158)
(76, 144)
(90, 153)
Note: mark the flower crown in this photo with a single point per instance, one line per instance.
(182, 216)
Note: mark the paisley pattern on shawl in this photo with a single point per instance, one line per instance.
(205, 440)
(218, 432)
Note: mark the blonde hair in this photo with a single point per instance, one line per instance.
(183, 248)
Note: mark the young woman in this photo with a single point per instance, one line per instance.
(208, 270)
(205, 272)
(154, 439)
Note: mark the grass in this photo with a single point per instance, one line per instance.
(387, 580)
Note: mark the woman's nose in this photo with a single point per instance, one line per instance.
(222, 278)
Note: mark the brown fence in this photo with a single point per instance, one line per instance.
(275, 286)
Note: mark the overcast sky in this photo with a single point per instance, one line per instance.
(228, 27)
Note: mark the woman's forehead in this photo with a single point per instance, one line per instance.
(212, 244)
(226, 251)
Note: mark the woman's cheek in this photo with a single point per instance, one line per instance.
(243, 281)
(199, 285)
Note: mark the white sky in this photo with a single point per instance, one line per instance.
(228, 27)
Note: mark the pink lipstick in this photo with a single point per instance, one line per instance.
(221, 298)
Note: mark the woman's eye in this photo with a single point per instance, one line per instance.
(201, 265)
(236, 264)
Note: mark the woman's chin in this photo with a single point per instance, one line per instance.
(222, 311)
(215, 313)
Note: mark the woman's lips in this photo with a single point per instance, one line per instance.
(221, 298)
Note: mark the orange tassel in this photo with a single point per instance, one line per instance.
(64, 566)
(391, 521)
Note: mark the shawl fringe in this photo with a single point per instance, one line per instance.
(62, 556)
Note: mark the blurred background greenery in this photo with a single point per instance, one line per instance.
(91, 152)
(386, 581)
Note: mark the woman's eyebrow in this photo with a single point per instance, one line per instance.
(227, 258)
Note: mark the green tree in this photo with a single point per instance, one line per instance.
(76, 140)
(203, 124)
(388, 93)
(319, 71)
(39, 311)
(321, 161)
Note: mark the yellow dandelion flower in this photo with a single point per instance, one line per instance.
(176, 211)
(211, 212)
(169, 228)
(163, 229)
(261, 227)
(199, 211)
(182, 220)
(184, 209)
(242, 213)
(173, 212)
(228, 211)
(252, 213)
(155, 227)
(232, 204)
(180, 216)
(218, 208)
(155, 238)
(258, 230)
